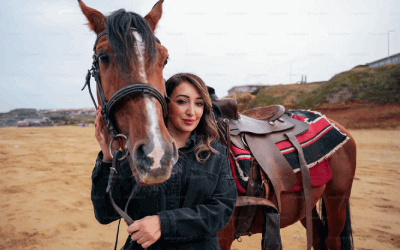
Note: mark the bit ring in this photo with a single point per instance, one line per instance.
(111, 142)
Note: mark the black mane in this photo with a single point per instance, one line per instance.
(119, 24)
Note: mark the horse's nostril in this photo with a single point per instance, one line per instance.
(142, 159)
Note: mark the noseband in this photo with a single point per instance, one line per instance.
(136, 87)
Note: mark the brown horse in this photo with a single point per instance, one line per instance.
(129, 55)
(335, 231)
(126, 54)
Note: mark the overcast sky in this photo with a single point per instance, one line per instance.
(47, 48)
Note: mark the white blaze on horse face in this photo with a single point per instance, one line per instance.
(154, 133)
(140, 51)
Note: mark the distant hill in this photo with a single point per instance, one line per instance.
(81, 116)
(362, 97)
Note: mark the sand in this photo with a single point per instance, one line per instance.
(45, 192)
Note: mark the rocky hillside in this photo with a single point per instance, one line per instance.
(12, 117)
(58, 116)
(362, 97)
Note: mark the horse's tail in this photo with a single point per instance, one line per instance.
(323, 232)
(346, 236)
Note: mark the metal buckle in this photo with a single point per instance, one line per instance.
(111, 142)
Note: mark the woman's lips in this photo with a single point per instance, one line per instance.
(188, 121)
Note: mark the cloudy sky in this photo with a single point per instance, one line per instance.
(47, 48)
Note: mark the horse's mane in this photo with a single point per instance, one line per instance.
(119, 24)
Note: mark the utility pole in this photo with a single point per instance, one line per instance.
(290, 73)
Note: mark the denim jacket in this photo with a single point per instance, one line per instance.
(194, 204)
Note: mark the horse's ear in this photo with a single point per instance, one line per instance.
(95, 18)
(154, 15)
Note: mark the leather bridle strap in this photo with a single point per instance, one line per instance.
(137, 88)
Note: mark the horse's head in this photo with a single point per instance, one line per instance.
(128, 55)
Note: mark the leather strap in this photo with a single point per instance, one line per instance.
(273, 163)
(305, 174)
(111, 182)
(254, 201)
(247, 214)
(137, 88)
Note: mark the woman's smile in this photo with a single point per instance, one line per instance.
(189, 121)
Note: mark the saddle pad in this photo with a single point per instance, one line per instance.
(320, 173)
(318, 143)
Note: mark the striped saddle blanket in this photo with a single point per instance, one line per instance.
(319, 142)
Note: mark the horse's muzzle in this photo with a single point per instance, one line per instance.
(148, 167)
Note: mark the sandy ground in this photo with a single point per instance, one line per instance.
(45, 192)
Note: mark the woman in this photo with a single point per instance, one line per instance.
(189, 209)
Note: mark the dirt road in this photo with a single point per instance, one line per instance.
(45, 192)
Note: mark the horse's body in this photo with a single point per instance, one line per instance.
(335, 195)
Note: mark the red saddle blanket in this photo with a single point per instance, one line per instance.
(320, 141)
(320, 173)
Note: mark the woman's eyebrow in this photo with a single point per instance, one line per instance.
(189, 97)
(183, 96)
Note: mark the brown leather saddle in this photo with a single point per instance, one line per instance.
(258, 130)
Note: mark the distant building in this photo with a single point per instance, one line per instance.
(35, 122)
(244, 89)
(387, 60)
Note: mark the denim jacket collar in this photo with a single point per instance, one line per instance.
(191, 142)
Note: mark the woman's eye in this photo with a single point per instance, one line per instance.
(200, 104)
(181, 101)
(104, 59)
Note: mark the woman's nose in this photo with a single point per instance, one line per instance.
(190, 110)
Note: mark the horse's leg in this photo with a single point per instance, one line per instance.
(338, 189)
(225, 236)
(318, 230)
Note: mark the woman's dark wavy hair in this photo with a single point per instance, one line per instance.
(206, 130)
(119, 25)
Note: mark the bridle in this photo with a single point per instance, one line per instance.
(136, 87)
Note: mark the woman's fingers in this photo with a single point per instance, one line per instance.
(141, 240)
(133, 227)
(146, 231)
(136, 236)
(147, 244)
(102, 136)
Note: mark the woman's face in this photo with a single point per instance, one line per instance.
(185, 109)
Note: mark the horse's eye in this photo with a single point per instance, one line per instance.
(104, 58)
(166, 61)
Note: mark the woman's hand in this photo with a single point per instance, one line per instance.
(103, 137)
(146, 231)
